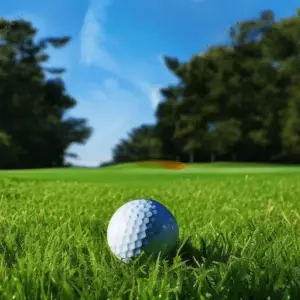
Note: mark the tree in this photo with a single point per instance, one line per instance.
(142, 144)
(222, 138)
(239, 101)
(32, 108)
(166, 122)
(291, 129)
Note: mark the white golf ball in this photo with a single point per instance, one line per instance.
(141, 225)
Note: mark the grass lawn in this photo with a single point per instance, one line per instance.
(239, 233)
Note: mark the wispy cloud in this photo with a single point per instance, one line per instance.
(120, 101)
(155, 95)
(94, 50)
(113, 110)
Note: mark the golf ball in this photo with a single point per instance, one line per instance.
(141, 225)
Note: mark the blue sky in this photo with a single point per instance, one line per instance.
(114, 58)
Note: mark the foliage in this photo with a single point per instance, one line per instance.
(35, 127)
(239, 101)
(141, 144)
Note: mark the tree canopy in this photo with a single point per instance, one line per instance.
(35, 129)
(237, 101)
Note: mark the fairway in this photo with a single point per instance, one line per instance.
(239, 233)
(129, 173)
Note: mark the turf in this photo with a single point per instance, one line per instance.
(239, 233)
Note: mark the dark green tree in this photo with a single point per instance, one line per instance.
(33, 108)
(237, 101)
(142, 144)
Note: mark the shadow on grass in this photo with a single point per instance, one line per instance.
(208, 271)
(184, 253)
(204, 256)
(186, 262)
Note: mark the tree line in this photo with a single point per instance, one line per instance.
(238, 101)
(36, 128)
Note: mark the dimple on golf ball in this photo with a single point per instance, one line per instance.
(141, 225)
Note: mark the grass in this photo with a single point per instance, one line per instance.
(239, 233)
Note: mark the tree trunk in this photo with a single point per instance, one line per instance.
(212, 157)
(234, 157)
(191, 156)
